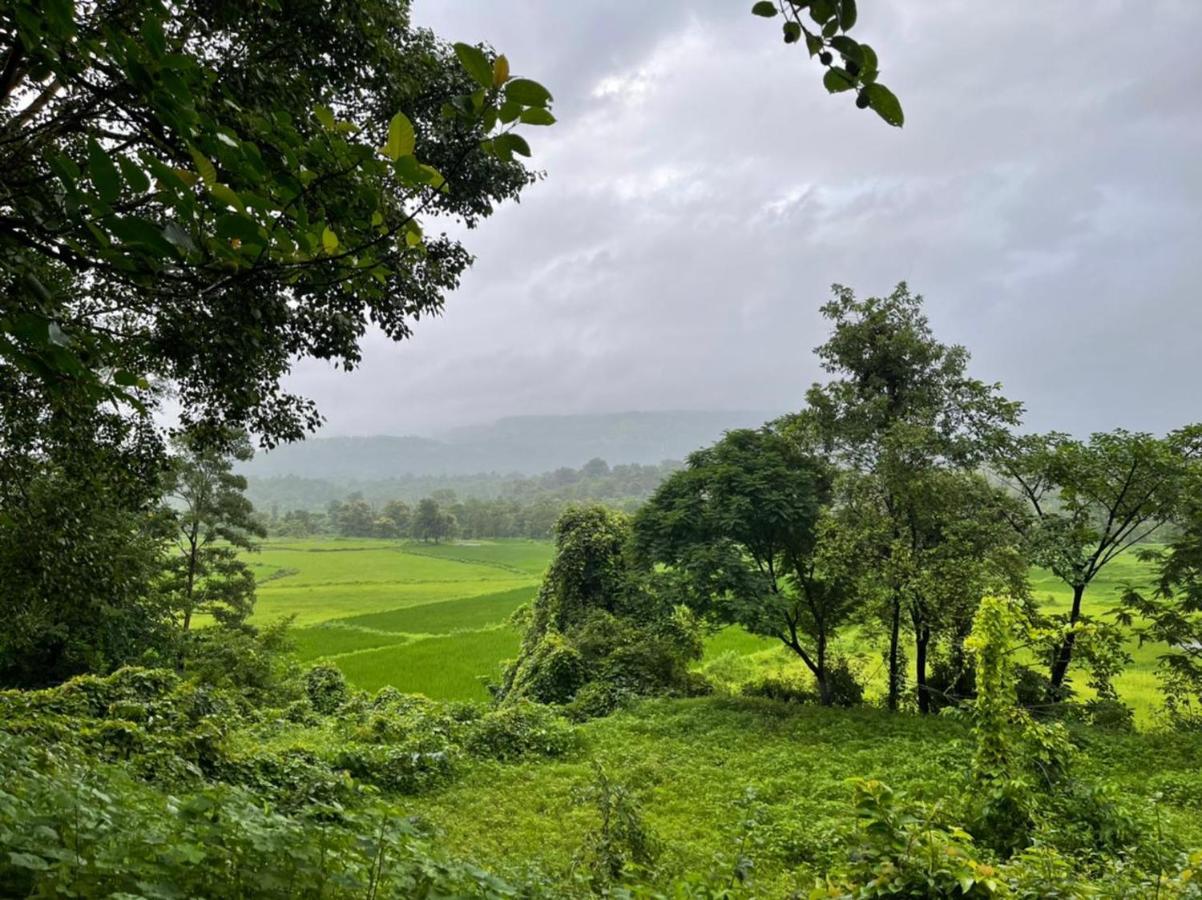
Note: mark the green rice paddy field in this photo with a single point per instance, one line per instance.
(430, 618)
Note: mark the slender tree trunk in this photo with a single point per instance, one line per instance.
(894, 654)
(824, 684)
(922, 638)
(1064, 653)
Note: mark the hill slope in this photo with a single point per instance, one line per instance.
(524, 445)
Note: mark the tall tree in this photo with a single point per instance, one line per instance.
(741, 527)
(215, 524)
(901, 406)
(1091, 501)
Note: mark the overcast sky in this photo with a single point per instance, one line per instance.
(703, 191)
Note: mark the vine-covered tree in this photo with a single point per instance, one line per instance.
(214, 526)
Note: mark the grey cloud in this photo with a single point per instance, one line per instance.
(703, 192)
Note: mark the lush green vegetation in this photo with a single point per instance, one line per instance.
(886, 646)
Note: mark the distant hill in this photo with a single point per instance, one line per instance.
(525, 445)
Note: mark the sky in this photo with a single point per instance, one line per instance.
(703, 192)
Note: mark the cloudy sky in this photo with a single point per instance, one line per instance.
(703, 192)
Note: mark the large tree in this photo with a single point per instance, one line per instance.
(900, 407)
(81, 544)
(203, 192)
(741, 527)
(1091, 501)
(215, 526)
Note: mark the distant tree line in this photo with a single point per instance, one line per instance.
(520, 507)
(596, 480)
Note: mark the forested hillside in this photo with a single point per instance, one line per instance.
(521, 445)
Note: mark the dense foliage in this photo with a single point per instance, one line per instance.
(600, 631)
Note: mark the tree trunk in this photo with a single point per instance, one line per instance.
(824, 684)
(922, 637)
(1064, 653)
(894, 666)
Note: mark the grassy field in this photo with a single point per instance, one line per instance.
(383, 611)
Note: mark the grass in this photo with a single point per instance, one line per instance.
(381, 610)
(370, 605)
(690, 764)
(466, 614)
(320, 641)
(444, 668)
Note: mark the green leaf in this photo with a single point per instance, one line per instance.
(792, 32)
(847, 14)
(325, 116)
(401, 138)
(887, 106)
(848, 48)
(765, 8)
(476, 63)
(434, 178)
(329, 240)
(527, 92)
(28, 861)
(536, 115)
(208, 174)
(105, 177)
(226, 195)
(137, 179)
(142, 232)
(511, 143)
(837, 80)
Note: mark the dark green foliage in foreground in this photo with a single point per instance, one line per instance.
(598, 632)
(150, 784)
(80, 537)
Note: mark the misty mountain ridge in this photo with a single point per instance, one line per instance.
(518, 445)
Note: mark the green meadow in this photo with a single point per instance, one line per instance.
(431, 618)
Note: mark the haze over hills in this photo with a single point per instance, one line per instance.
(525, 445)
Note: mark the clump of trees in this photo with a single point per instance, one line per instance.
(601, 630)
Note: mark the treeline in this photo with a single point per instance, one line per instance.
(900, 497)
(595, 480)
(518, 508)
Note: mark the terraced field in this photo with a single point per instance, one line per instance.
(430, 618)
(426, 618)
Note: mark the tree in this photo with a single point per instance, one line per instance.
(1171, 612)
(355, 517)
(824, 32)
(215, 524)
(192, 193)
(599, 631)
(742, 526)
(394, 518)
(1091, 501)
(81, 543)
(431, 522)
(958, 546)
(902, 407)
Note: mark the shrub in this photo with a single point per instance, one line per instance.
(520, 729)
(782, 686)
(326, 688)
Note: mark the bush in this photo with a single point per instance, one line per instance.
(520, 729)
(782, 686)
(326, 688)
